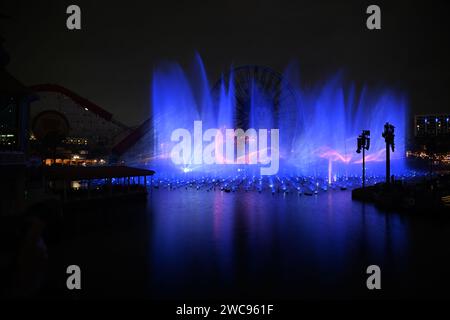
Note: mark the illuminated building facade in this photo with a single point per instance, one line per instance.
(432, 139)
(432, 125)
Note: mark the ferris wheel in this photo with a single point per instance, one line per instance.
(244, 80)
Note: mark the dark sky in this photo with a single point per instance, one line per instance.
(111, 59)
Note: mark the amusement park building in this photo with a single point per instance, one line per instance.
(69, 129)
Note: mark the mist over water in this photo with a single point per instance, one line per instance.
(318, 123)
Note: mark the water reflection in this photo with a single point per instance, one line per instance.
(213, 244)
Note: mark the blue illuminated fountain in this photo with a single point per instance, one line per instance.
(318, 125)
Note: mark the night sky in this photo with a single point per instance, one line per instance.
(110, 60)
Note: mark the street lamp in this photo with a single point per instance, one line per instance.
(388, 135)
(363, 143)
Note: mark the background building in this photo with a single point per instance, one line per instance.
(15, 99)
(432, 125)
(431, 139)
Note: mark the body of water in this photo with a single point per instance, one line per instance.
(195, 244)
